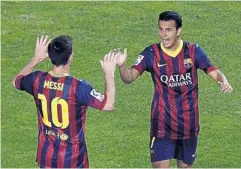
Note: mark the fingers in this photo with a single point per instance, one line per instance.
(105, 57)
(43, 40)
(110, 57)
(229, 89)
(125, 51)
(41, 47)
(48, 42)
(113, 56)
(101, 62)
(37, 42)
(225, 88)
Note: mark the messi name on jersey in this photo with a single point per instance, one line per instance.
(53, 85)
(177, 80)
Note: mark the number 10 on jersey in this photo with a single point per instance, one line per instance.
(54, 112)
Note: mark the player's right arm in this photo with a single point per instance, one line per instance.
(40, 55)
(128, 75)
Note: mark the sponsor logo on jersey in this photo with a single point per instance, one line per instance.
(177, 80)
(161, 65)
(62, 137)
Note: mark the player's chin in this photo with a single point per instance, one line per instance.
(167, 45)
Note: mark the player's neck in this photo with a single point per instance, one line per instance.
(175, 51)
(175, 46)
(61, 70)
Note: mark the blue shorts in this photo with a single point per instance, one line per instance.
(181, 149)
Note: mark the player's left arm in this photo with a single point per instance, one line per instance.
(220, 78)
(203, 62)
(89, 96)
(40, 55)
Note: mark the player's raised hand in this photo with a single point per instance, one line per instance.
(41, 52)
(225, 88)
(108, 63)
(121, 57)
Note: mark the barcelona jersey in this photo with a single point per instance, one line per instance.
(61, 104)
(174, 110)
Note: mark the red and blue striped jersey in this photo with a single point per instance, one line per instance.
(61, 104)
(174, 110)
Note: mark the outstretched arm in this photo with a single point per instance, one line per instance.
(108, 65)
(220, 78)
(128, 75)
(40, 55)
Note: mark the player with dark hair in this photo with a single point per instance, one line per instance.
(61, 101)
(173, 66)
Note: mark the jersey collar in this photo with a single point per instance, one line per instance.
(52, 73)
(173, 53)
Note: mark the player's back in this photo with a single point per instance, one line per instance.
(61, 121)
(61, 103)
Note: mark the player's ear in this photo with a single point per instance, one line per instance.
(179, 30)
(70, 59)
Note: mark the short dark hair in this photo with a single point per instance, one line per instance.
(171, 15)
(60, 49)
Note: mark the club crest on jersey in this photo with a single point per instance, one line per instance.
(138, 60)
(187, 63)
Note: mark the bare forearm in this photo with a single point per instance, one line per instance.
(110, 91)
(26, 70)
(218, 76)
(221, 78)
(126, 75)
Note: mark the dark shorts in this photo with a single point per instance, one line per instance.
(181, 149)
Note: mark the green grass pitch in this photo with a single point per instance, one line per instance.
(120, 139)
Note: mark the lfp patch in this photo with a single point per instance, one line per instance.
(138, 60)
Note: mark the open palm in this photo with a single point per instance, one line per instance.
(41, 48)
(121, 57)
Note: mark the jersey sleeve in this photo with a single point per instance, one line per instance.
(143, 61)
(202, 60)
(26, 82)
(89, 96)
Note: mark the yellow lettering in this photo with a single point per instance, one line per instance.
(54, 111)
(64, 110)
(44, 109)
